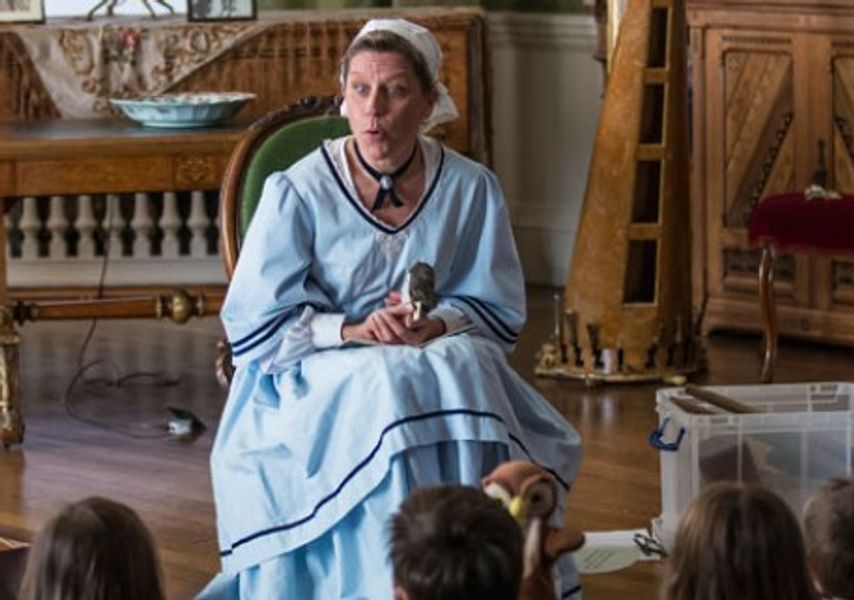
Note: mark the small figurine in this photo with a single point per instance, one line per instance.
(420, 289)
(530, 494)
(111, 5)
(819, 188)
(548, 357)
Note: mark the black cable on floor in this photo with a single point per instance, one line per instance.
(158, 379)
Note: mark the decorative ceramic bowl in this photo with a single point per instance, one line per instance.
(190, 109)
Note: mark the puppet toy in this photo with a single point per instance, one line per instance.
(530, 494)
(420, 289)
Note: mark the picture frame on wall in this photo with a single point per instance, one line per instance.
(21, 11)
(220, 10)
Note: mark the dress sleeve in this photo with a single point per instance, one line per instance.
(486, 281)
(453, 318)
(272, 297)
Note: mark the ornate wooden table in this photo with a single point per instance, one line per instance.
(68, 157)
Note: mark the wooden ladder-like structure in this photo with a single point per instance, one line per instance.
(626, 314)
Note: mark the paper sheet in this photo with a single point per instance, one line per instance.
(607, 551)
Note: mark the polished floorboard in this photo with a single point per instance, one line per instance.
(103, 433)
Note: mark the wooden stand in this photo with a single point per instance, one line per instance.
(627, 313)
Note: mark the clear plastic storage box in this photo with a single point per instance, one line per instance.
(803, 436)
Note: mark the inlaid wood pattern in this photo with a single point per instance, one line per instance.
(758, 116)
(745, 264)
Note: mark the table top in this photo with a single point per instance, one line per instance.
(42, 139)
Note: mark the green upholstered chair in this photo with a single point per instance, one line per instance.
(272, 143)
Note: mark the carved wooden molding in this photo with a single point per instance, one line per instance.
(768, 163)
(196, 171)
(843, 273)
(757, 40)
(745, 263)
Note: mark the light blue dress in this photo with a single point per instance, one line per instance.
(313, 457)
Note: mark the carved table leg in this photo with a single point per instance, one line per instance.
(769, 313)
(11, 421)
(224, 368)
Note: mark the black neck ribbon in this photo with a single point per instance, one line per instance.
(385, 180)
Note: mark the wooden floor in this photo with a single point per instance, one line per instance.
(168, 482)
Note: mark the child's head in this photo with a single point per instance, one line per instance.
(737, 541)
(94, 549)
(452, 543)
(829, 533)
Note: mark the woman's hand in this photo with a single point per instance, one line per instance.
(394, 324)
(357, 331)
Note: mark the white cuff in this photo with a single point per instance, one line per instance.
(326, 330)
(453, 317)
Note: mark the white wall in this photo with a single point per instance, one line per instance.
(547, 91)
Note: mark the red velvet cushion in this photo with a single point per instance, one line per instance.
(791, 222)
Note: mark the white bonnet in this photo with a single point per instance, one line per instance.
(423, 40)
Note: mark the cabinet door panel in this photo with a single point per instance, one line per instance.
(759, 151)
(843, 124)
(759, 139)
(843, 283)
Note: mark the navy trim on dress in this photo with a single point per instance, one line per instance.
(364, 462)
(270, 325)
(571, 592)
(485, 315)
(507, 329)
(361, 209)
(273, 324)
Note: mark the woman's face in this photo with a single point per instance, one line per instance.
(385, 106)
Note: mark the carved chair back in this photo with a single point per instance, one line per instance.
(273, 143)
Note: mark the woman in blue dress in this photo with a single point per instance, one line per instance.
(342, 402)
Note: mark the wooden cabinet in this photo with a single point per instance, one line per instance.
(769, 82)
